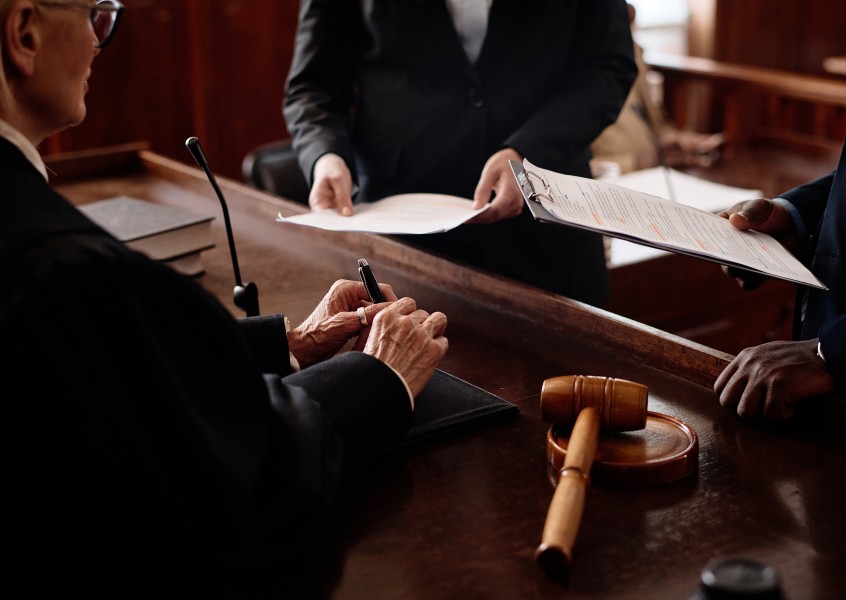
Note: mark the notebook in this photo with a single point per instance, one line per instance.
(449, 404)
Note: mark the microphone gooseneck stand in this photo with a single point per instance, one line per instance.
(245, 295)
(659, 149)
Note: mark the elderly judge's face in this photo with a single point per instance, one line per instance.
(47, 47)
(63, 64)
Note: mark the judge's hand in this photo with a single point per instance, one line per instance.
(335, 321)
(767, 381)
(410, 340)
(767, 217)
(332, 186)
(497, 178)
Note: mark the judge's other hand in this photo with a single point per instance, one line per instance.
(767, 217)
(335, 321)
(497, 178)
(410, 340)
(767, 381)
(332, 186)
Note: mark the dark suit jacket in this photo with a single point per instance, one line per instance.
(386, 85)
(822, 204)
(141, 431)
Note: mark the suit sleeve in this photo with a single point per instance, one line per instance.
(319, 90)
(833, 343)
(598, 79)
(810, 200)
(267, 338)
(363, 397)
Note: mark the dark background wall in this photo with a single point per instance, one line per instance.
(216, 68)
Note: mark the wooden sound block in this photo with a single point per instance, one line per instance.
(666, 450)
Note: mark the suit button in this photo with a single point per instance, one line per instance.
(475, 97)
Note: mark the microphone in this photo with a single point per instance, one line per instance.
(245, 296)
(659, 149)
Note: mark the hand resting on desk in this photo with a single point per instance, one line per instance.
(767, 381)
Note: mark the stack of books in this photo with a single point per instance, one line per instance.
(174, 236)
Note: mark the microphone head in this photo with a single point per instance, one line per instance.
(193, 145)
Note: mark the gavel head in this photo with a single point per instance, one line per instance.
(621, 404)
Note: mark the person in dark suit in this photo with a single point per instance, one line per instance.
(147, 431)
(401, 97)
(771, 379)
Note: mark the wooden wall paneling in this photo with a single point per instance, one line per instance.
(242, 53)
(177, 68)
(823, 34)
(216, 69)
(795, 35)
(138, 88)
(700, 32)
(757, 32)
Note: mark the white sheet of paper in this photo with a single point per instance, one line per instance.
(687, 189)
(403, 213)
(622, 212)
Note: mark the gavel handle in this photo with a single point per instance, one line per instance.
(555, 551)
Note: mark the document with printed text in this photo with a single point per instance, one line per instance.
(400, 214)
(653, 221)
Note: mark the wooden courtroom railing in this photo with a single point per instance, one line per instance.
(753, 104)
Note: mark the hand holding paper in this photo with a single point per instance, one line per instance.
(653, 221)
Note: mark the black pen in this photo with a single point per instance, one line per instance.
(369, 281)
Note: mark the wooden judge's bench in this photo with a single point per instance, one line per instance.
(460, 516)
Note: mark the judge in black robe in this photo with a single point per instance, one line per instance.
(147, 425)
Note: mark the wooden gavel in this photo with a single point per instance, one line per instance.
(592, 403)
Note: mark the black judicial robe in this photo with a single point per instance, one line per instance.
(144, 427)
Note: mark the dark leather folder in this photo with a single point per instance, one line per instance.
(449, 404)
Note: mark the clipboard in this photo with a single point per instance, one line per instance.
(541, 189)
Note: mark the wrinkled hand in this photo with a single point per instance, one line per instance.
(767, 217)
(410, 340)
(332, 186)
(497, 178)
(334, 322)
(767, 381)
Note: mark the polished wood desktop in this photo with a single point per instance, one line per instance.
(460, 516)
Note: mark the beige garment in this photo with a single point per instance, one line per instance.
(628, 141)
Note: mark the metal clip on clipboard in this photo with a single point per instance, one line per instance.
(528, 188)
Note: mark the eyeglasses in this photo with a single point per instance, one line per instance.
(105, 15)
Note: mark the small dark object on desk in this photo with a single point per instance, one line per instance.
(738, 578)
